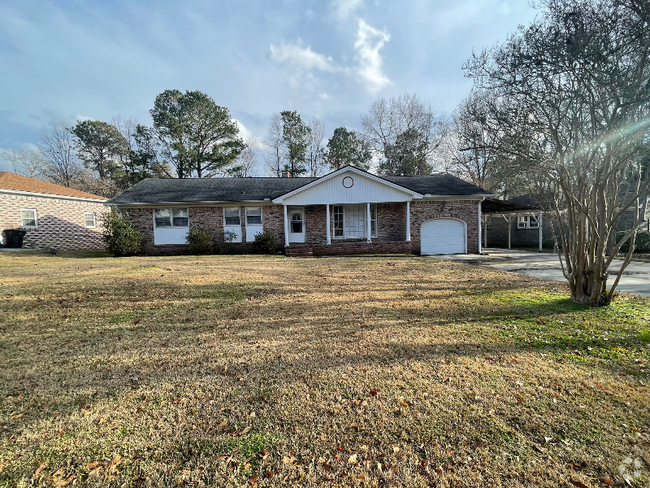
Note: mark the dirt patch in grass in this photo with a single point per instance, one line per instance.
(267, 371)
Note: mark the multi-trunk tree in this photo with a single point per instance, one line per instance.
(579, 79)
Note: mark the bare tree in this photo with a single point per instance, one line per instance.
(399, 124)
(274, 145)
(477, 146)
(245, 162)
(579, 74)
(315, 149)
(61, 164)
(25, 162)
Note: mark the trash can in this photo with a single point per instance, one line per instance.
(14, 238)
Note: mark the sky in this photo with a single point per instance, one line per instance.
(68, 60)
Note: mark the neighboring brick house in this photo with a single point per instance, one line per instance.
(53, 216)
(348, 211)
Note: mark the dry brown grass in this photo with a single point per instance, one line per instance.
(241, 370)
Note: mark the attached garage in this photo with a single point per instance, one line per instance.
(443, 236)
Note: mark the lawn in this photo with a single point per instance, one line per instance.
(268, 371)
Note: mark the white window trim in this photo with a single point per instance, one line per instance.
(86, 220)
(171, 218)
(224, 217)
(523, 222)
(374, 235)
(246, 215)
(35, 226)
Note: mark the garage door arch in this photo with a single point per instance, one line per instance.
(443, 236)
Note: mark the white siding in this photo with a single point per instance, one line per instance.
(166, 235)
(363, 190)
(252, 230)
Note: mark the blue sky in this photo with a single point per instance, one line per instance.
(65, 60)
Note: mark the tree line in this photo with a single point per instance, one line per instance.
(192, 136)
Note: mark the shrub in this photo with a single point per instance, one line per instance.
(265, 243)
(642, 243)
(121, 236)
(200, 241)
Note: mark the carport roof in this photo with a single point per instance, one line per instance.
(496, 206)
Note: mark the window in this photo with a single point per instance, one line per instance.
(253, 215)
(29, 218)
(231, 216)
(528, 222)
(171, 217)
(488, 223)
(89, 219)
(296, 222)
(350, 221)
(338, 220)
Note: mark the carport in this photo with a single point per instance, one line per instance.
(509, 210)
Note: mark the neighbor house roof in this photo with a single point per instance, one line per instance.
(195, 190)
(14, 182)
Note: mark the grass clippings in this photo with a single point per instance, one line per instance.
(268, 371)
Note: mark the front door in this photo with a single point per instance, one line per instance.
(297, 225)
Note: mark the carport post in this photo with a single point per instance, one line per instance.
(509, 220)
(485, 232)
(539, 221)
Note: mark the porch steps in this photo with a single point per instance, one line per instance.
(299, 252)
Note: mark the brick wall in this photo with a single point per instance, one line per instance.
(497, 234)
(61, 223)
(391, 221)
(209, 219)
(466, 210)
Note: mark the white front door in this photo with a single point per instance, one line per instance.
(296, 224)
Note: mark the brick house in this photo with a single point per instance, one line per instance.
(348, 211)
(53, 216)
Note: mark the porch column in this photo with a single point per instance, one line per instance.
(540, 230)
(329, 230)
(408, 221)
(286, 226)
(368, 223)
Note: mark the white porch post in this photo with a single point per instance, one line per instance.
(368, 223)
(329, 230)
(510, 232)
(540, 230)
(286, 226)
(408, 221)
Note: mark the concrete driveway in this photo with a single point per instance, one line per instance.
(636, 277)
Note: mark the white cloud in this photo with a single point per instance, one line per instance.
(345, 8)
(368, 44)
(301, 56)
(324, 96)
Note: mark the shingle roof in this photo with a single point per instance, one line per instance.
(153, 191)
(12, 181)
(438, 184)
(190, 190)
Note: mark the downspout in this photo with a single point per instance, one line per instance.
(480, 218)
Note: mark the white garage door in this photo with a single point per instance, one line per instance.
(442, 236)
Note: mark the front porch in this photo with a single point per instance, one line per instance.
(347, 226)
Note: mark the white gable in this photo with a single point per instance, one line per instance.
(348, 186)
